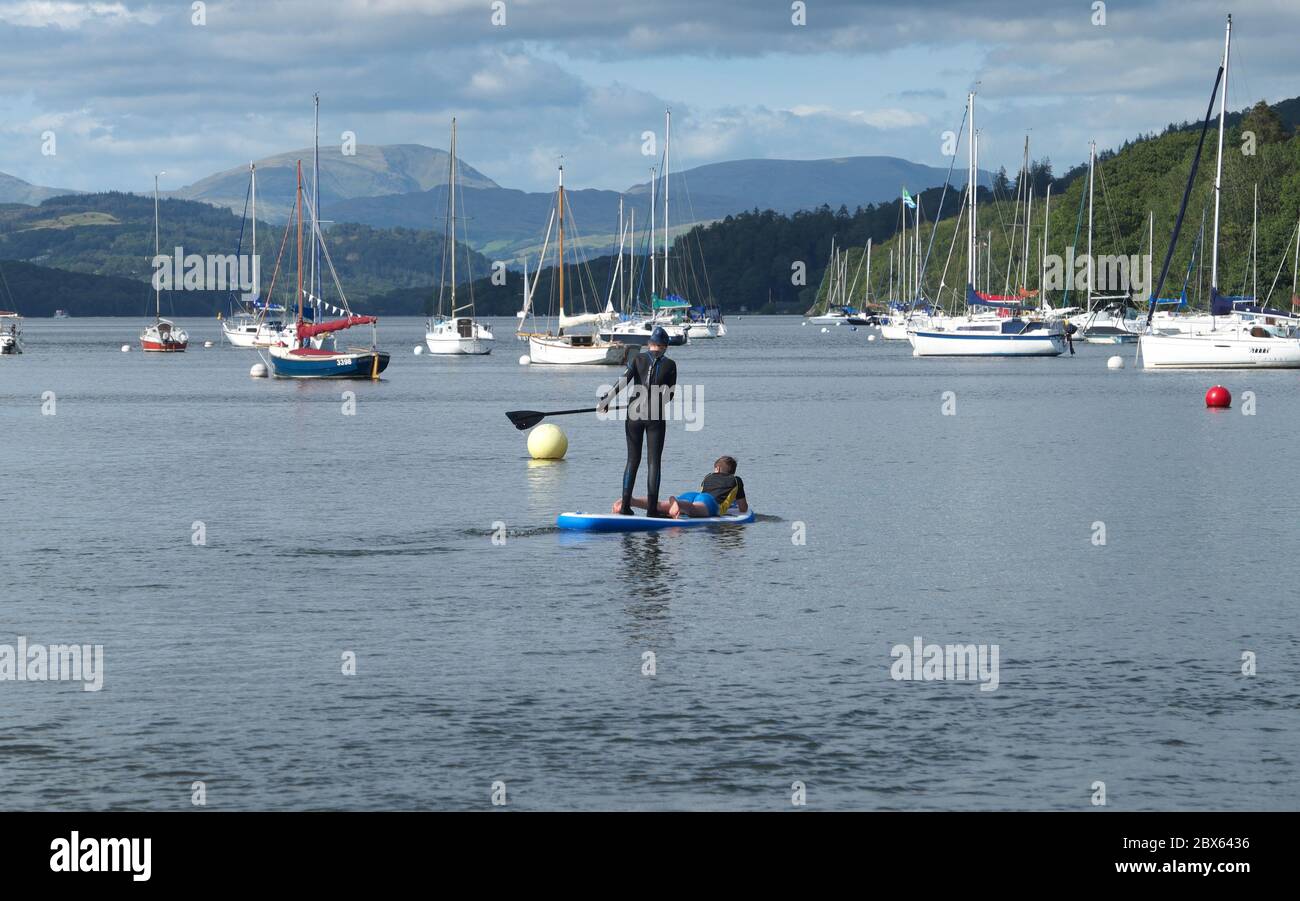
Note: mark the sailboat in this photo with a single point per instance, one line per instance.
(634, 326)
(455, 333)
(254, 323)
(1006, 334)
(1108, 322)
(566, 347)
(296, 358)
(11, 333)
(1248, 336)
(161, 336)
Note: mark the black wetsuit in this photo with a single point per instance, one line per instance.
(652, 381)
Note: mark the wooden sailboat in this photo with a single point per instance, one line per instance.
(458, 332)
(161, 336)
(566, 347)
(296, 358)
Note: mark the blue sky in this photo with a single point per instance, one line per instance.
(129, 88)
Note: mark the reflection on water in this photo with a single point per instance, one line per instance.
(648, 576)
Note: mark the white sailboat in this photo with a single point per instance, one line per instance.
(1007, 333)
(565, 347)
(254, 323)
(456, 332)
(1243, 335)
(11, 333)
(161, 336)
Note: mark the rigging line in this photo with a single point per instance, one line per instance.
(1078, 225)
(320, 239)
(1182, 208)
(270, 292)
(1278, 274)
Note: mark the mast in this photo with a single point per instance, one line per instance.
(631, 259)
(1092, 163)
(1029, 213)
(970, 186)
(1151, 242)
(866, 292)
(903, 269)
(1254, 248)
(315, 206)
(916, 252)
(257, 288)
(654, 175)
(668, 117)
(157, 291)
(299, 205)
(560, 328)
(622, 235)
(1042, 265)
(1218, 165)
(451, 208)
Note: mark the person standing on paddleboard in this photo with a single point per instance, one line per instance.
(652, 378)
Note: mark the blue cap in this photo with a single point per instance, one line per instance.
(659, 336)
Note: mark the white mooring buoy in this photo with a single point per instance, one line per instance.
(1115, 362)
(258, 371)
(525, 360)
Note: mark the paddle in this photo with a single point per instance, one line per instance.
(526, 419)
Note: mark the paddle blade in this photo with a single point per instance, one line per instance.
(525, 419)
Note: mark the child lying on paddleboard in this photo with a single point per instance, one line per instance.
(719, 490)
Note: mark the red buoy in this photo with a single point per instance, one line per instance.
(1218, 397)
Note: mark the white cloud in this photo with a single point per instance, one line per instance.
(68, 15)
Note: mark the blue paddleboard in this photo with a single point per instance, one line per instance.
(615, 522)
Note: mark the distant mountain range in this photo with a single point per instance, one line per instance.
(15, 190)
(405, 185)
(373, 171)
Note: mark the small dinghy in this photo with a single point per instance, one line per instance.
(617, 522)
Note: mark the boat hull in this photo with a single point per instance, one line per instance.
(457, 346)
(310, 363)
(956, 344)
(10, 346)
(1210, 351)
(557, 352)
(163, 347)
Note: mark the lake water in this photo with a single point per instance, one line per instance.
(477, 662)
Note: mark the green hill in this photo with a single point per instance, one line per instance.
(112, 235)
(1146, 176)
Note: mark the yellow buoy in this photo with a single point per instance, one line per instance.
(547, 442)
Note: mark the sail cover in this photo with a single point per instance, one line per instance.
(978, 299)
(333, 325)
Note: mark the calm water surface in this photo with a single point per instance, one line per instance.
(522, 663)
